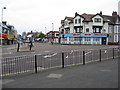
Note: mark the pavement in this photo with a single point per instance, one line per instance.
(93, 75)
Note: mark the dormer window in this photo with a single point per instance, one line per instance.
(97, 20)
(75, 21)
(79, 21)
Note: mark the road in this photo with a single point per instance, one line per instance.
(44, 48)
(95, 75)
(49, 56)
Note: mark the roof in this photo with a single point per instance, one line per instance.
(53, 32)
(111, 19)
(88, 16)
(62, 21)
(69, 18)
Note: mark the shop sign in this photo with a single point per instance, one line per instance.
(76, 35)
(10, 36)
(3, 35)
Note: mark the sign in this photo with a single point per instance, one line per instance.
(4, 35)
(10, 36)
(86, 35)
(76, 34)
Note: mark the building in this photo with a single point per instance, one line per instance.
(114, 27)
(9, 34)
(88, 29)
(53, 36)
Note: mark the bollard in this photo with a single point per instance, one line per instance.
(35, 63)
(18, 47)
(83, 57)
(100, 55)
(113, 53)
(62, 60)
(30, 46)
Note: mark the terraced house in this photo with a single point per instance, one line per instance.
(90, 29)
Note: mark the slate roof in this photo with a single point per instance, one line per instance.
(88, 17)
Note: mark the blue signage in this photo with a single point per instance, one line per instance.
(85, 35)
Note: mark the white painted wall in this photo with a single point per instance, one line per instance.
(105, 26)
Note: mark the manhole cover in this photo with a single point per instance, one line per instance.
(55, 76)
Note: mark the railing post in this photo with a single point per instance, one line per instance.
(35, 63)
(100, 55)
(113, 53)
(62, 60)
(83, 57)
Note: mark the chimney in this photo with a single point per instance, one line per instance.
(4, 22)
(114, 13)
(100, 12)
(76, 14)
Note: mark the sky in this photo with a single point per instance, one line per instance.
(35, 15)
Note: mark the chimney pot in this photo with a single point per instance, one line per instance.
(100, 12)
(76, 14)
(4, 22)
(114, 13)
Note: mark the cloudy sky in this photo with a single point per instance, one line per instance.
(35, 15)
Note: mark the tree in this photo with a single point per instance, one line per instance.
(42, 35)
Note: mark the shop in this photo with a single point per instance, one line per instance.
(84, 38)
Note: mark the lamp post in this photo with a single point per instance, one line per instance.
(1, 23)
(45, 30)
(52, 32)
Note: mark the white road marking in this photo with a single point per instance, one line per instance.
(88, 52)
(105, 51)
(47, 56)
(47, 51)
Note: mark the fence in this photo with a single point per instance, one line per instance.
(36, 63)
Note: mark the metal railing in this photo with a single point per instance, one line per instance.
(36, 63)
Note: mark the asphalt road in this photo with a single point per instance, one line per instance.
(95, 75)
(24, 61)
(44, 48)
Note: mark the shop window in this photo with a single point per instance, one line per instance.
(87, 39)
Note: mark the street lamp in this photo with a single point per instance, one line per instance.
(52, 32)
(2, 13)
(1, 23)
(45, 30)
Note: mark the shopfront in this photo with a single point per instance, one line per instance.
(85, 38)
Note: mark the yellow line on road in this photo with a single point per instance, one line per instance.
(16, 73)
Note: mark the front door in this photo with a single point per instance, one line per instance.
(103, 41)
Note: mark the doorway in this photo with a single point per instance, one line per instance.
(103, 41)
